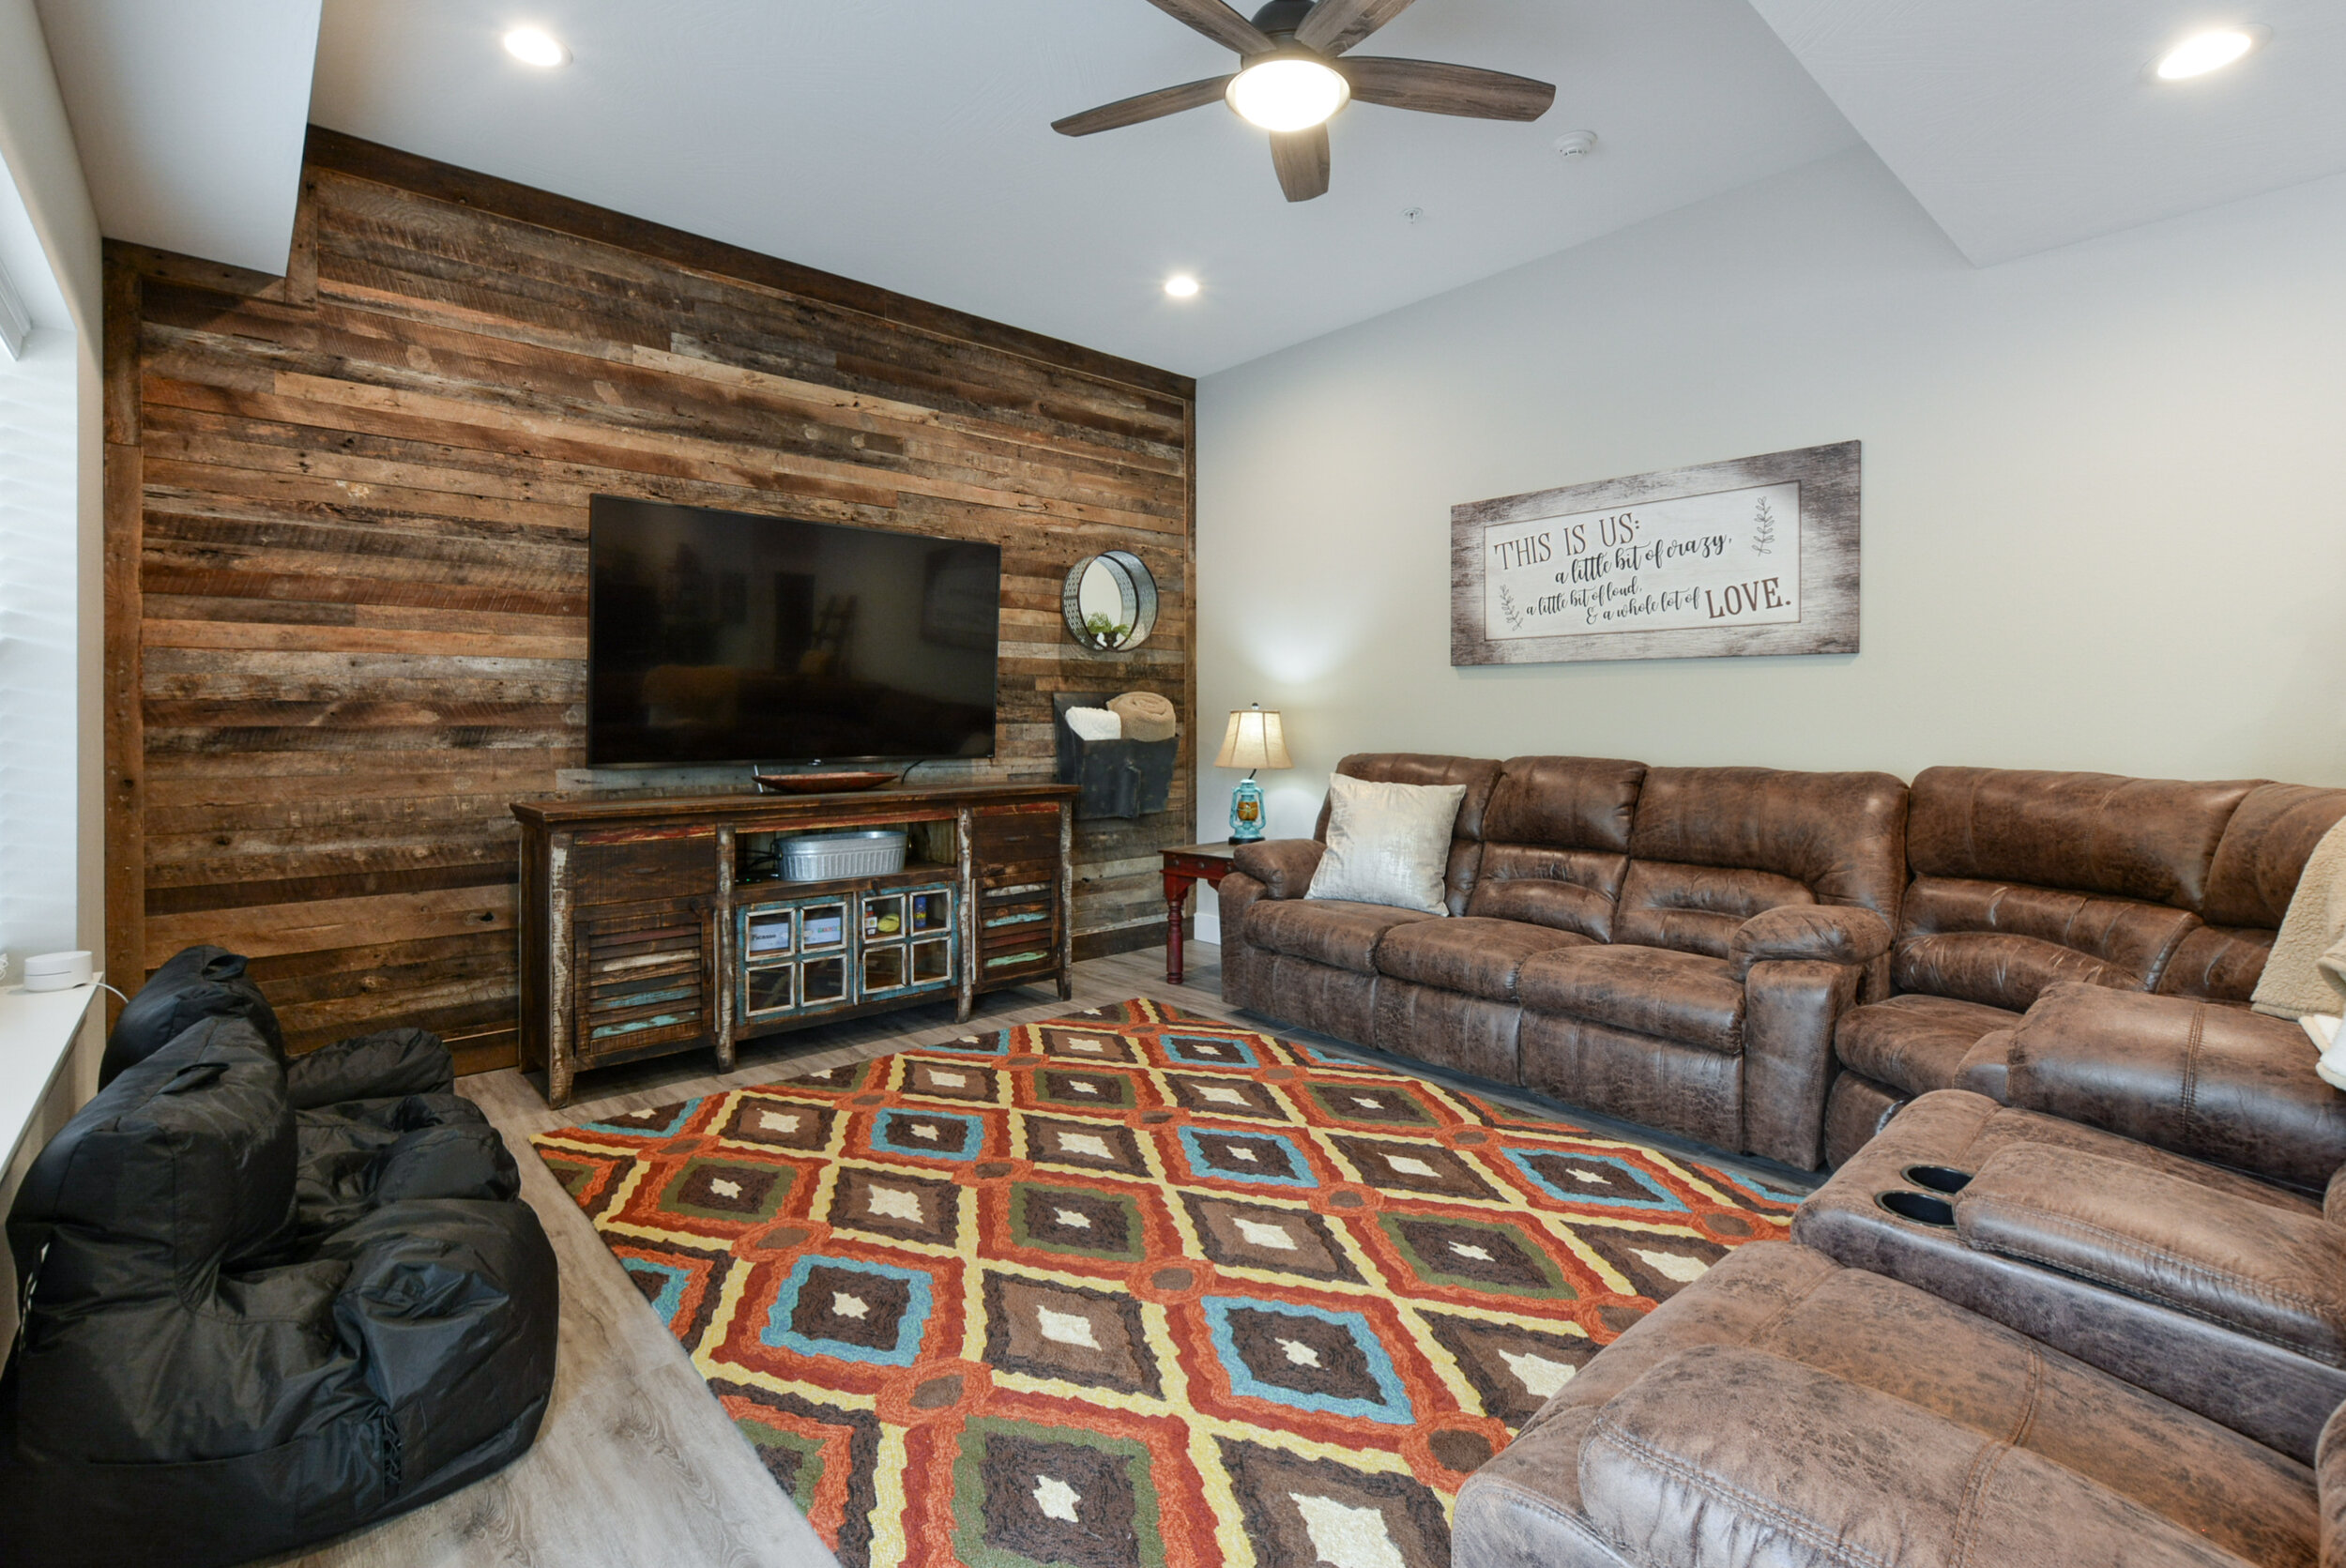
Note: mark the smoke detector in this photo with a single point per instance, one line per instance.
(1576, 144)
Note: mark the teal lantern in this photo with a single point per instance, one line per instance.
(1254, 740)
(1247, 812)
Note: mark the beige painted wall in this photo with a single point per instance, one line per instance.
(2105, 505)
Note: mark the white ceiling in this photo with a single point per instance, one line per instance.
(188, 117)
(2022, 124)
(907, 143)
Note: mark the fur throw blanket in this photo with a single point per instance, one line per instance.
(2306, 969)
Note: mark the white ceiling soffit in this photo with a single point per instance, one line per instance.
(907, 143)
(2022, 124)
(189, 115)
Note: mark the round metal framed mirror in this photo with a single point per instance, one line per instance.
(1110, 602)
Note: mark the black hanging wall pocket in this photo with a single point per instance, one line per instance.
(1119, 778)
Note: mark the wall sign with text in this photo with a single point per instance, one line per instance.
(1754, 556)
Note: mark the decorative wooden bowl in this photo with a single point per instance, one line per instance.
(819, 784)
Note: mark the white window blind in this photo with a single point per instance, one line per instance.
(38, 627)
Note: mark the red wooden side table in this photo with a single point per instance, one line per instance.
(1184, 867)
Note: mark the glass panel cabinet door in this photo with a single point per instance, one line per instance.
(823, 925)
(823, 981)
(770, 989)
(933, 962)
(883, 970)
(769, 933)
(883, 916)
(931, 910)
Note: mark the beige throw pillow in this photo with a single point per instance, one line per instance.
(1387, 843)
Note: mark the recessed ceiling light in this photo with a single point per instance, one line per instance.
(2202, 52)
(1288, 92)
(535, 46)
(1182, 287)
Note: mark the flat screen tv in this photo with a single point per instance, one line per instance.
(721, 637)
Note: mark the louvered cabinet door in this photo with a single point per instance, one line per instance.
(1022, 901)
(645, 976)
(641, 946)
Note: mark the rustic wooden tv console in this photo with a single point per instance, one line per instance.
(644, 930)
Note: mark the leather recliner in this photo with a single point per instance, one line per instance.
(1318, 965)
(1671, 946)
(2104, 1324)
(1753, 906)
(2164, 1197)
(1786, 1411)
(2027, 880)
(258, 1317)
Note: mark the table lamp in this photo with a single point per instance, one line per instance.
(1254, 740)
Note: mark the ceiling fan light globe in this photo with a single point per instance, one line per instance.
(1287, 94)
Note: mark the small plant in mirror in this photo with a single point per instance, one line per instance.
(1103, 633)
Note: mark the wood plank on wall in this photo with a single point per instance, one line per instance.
(346, 576)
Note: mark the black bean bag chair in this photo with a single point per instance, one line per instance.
(196, 984)
(352, 1099)
(201, 982)
(251, 1326)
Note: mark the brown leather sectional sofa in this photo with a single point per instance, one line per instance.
(2104, 1323)
(1772, 962)
(2077, 1293)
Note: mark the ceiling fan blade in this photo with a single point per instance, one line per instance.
(1219, 23)
(1148, 106)
(1434, 88)
(1335, 26)
(1302, 159)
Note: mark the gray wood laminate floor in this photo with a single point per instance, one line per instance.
(636, 1465)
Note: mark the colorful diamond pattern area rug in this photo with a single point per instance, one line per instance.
(1136, 1289)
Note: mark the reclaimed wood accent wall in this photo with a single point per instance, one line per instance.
(346, 565)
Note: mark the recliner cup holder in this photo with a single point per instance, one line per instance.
(1939, 1179)
(1920, 1208)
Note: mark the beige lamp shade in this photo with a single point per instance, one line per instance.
(1254, 740)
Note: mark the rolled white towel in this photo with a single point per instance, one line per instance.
(1095, 723)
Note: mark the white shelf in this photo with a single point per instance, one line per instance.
(38, 1029)
(48, 1068)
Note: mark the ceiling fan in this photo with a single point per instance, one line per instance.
(1291, 80)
